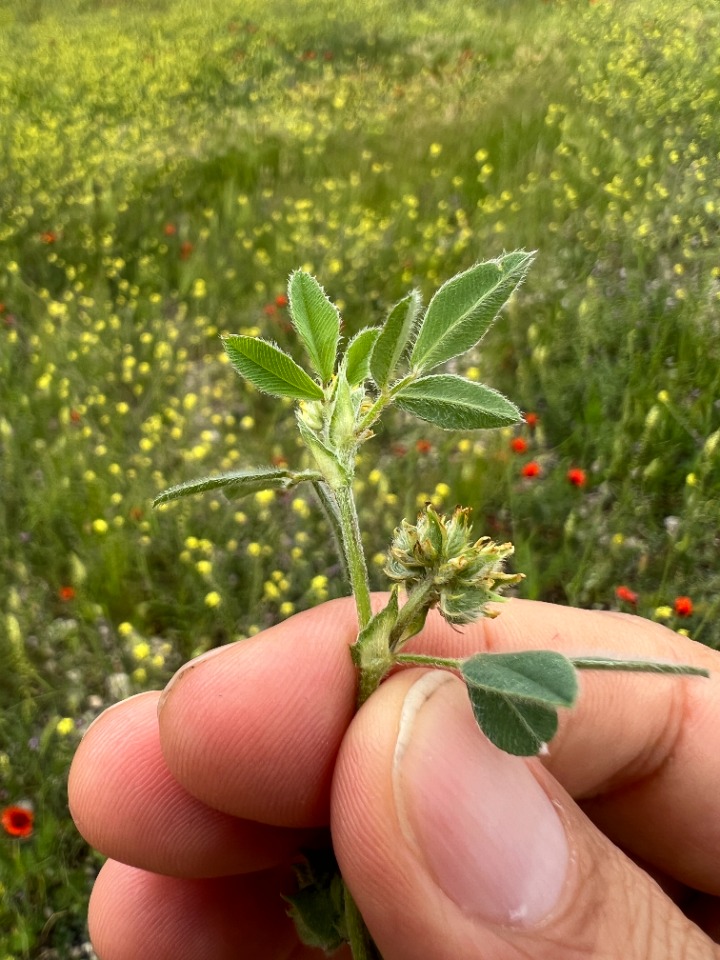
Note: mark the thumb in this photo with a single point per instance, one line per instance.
(452, 848)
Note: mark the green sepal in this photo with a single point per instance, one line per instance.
(454, 403)
(318, 907)
(316, 320)
(514, 696)
(270, 369)
(394, 337)
(238, 483)
(464, 308)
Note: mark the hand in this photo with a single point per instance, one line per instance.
(607, 847)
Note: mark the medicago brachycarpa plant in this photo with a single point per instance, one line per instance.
(434, 562)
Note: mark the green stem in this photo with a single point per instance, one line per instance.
(354, 554)
(386, 396)
(361, 943)
(444, 663)
(329, 508)
(640, 666)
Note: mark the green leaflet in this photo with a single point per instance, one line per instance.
(514, 696)
(316, 320)
(269, 369)
(394, 337)
(357, 356)
(464, 308)
(453, 403)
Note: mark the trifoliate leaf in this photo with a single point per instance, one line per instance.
(454, 403)
(269, 369)
(316, 320)
(463, 309)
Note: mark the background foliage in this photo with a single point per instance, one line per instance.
(163, 168)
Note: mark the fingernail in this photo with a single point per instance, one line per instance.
(185, 669)
(487, 831)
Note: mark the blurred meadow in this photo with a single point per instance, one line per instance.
(165, 165)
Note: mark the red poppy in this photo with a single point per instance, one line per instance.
(278, 460)
(66, 593)
(136, 513)
(531, 469)
(169, 229)
(398, 449)
(518, 445)
(577, 477)
(186, 248)
(75, 416)
(531, 419)
(2, 308)
(49, 236)
(269, 309)
(626, 594)
(17, 821)
(423, 446)
(683, 606)
(281, 300)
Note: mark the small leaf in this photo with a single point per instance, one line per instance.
(316, 320)
(463, 309)
(514, 726)
(454, 403)
(269, 369)
(514, 696)
(540, 675)
(237, 483)
(357, 356)
(394, 337)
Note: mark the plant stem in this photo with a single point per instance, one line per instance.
(640, 666)
(354, 554)
(329, 508)
(444, 663)
(361, 943)
(386, 397)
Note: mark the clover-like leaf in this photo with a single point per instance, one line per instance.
(394, 337)
(317, 321)
(454, 403)
(270, 369)
(514, 696)
(463, 309)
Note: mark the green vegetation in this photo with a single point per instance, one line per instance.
(164, 166)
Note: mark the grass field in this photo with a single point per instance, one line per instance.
(165, 165)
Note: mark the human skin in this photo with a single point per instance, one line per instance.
(608, 846)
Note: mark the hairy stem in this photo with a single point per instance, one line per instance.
(354, 554)
(421, 660)
(640, 666)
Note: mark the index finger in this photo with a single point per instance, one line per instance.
(254, 729)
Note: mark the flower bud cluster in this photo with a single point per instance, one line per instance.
(461, 575)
